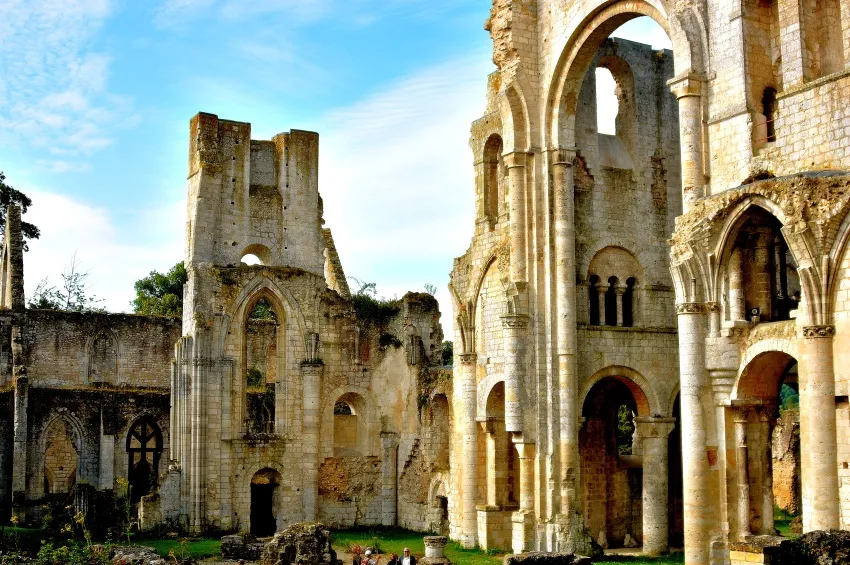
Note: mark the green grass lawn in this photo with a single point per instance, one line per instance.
(192, 547)
(394, 540)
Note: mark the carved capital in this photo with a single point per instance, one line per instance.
(468, 358)
(690, 308)
(712, 307)
(514, 159)
(563, 156)
(689, 84)
(310, 369)
(819, 331)
(654, 426)
(515, 321)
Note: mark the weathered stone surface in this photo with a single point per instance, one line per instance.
(135, 555)
(307, 542)
(813, 548)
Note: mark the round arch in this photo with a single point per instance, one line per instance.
(367, 408)
(645, 399)
(578, 51)
(761, 373)
(259, 250)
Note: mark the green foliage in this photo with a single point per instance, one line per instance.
(262, 311)
(448, 353)
(73, 295)
(625, 430)
(9, 195)
(255, 377)
(377, 311)
(387, 339)
(161, 294)
(789, 399)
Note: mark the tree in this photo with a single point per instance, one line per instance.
(161, 294)
(9, 195)
(448, 353)
(73, 295)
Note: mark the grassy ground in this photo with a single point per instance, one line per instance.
(392, 540)
(197, 548)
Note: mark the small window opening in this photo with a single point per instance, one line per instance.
(611, 302)
(607, 103)
(768, 102)
(593, 296)
(628, 303)
(251, 259)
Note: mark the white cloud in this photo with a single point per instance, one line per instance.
(70, 226)
(54, 90)
(396, 177)
(174, 13)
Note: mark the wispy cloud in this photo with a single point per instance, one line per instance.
(105, 249)
(174, 13)
(54, 92)
(397, 179)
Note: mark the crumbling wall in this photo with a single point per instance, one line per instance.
(349, 489)
(786, 463)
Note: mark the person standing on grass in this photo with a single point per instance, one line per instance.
(407, 558)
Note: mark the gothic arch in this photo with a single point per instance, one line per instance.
(371, 423)
(645, 398)
(292, 317)
(516, 119)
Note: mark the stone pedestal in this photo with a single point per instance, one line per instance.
(435, 551)
(654, 432)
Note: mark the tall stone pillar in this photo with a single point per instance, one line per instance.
(311, 377)
(522, 520)
(743, 468)
(722, 381)
(654, 432)
(766, 420)
(565, 295)
(693, 381)
(19, 453)
(495, 465)
(469, 460)
(389, 476)
(515, 332)
(688, 91)
(737, 305)
(515, 162)
(818, 441)
(763, 295)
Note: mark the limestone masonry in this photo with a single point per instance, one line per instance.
(651, 327)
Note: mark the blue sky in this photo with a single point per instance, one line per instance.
(95, 98)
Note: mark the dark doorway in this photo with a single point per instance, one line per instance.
(264, 486)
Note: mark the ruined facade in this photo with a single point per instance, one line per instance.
(669, 280)
(278, 398)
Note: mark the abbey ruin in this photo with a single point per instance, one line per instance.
(670, 279)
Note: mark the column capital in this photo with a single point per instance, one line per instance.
(389, 440)
(768, 413)
(819, 331)
(515, 321)
(712, 307)
(515, 159)
(687, 84)
(741, 412)
(563, 156)
(654, 426)
(468, 358)
(722, 383)
(690, 308)
(620, 290)
(308, 368)
(602, 289)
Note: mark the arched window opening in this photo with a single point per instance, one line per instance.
(768, 104)
(628, 303)
(60, 458)
(763, 285)
(607, 102)
(349, 426)
(251, 259)
(611, 302)
(494, 172)
(265, 502)
(593, 296)
(261, 367)
(144, 449)
(501, 469)
(256, 254)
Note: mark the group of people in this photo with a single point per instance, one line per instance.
(371, 558)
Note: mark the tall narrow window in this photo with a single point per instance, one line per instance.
(144, 449)
(628, 303)
(611, 302)
(768, 103)
(593, 297)
(492, 177)
(261, 368)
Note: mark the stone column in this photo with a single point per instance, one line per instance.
(601, 290)
(766, 420)
(722, 381)
(654, 432)
(106, 476)
(495, 464)
(818, 441)
(713, 309)
(565, 295)
(515, 335)
(515, 162)
(469, 467)
(311, 374)
(737, 305)
(620, 291)
(688, 91)
(523, 519)
(692, 374)
(763, 295)
(19, 454)
(741, 455)
(389, 474)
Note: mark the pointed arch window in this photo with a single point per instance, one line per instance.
(144, 450)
